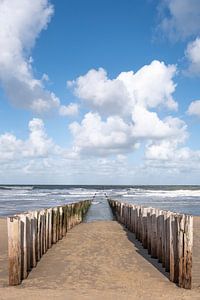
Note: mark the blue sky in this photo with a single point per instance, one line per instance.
(100, 92)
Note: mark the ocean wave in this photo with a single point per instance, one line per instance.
(162, 194)
(23, 198)
(14, 187)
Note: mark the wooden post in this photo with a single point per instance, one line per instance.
(131, 218)
(168, 240)
(149, 230)
(43, 232)
(188, 244)
(14, 250)
(144, 227)
(32, 218)
(171, 247)
(38, 236)
(46, 230)
(175, 239)
(57, 224)
(164, 226)
(54, 225)
(153, 234)
(72, 215)
(137, 222)
(23, 245)
(68, 217)
(180, 244)
(50, 225)
(160, 221)
(28, 241)
(60, 226)
(64, 229)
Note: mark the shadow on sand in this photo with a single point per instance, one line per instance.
(144, 252)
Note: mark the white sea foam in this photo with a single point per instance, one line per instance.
(162, 193)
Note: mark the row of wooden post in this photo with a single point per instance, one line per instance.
(168, 237)
(31, 234)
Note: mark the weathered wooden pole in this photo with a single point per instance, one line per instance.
(188, 243)
(60, 230)
(50, 227)
(54, 225)
(23, 245)
(172, 246)
(168, 240)
(144, 227)
(64, 228)
(32, 218)
(38, 236)
(180, 245)
(153, 234)
(14, 250)
(149, 230)
(28, 241)
(160, 225)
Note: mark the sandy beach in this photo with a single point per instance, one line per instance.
(96, 260)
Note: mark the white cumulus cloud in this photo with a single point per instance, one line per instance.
(20, 25)
(171, 157)
(38, 144)
(180, 19)
(95, 136)
(148, 125)
(194, 108)
(9, 147)
(69, 110)
(193, 55)
(150, 87)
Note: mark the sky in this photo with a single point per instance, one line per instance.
(99, 92)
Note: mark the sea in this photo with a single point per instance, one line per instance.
(15, 199)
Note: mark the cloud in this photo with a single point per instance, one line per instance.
(194, 108)
(193, 55)
(180, 19)
(171, 157)
(93, 170)
(149, 126)
(21, 23)
(38, 145)
(69, 110)
(123, 110)
(99, 92)
(95, 136)
(38, 159)
(150, 87)
(166, 150)
(9, 147)
(100, 150)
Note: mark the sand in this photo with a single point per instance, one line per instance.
(98, 260)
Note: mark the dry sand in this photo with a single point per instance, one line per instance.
(98, 260)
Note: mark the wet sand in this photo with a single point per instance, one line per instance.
(97, 260)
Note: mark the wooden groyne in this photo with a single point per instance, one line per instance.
(31, 234)
(168, 237)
